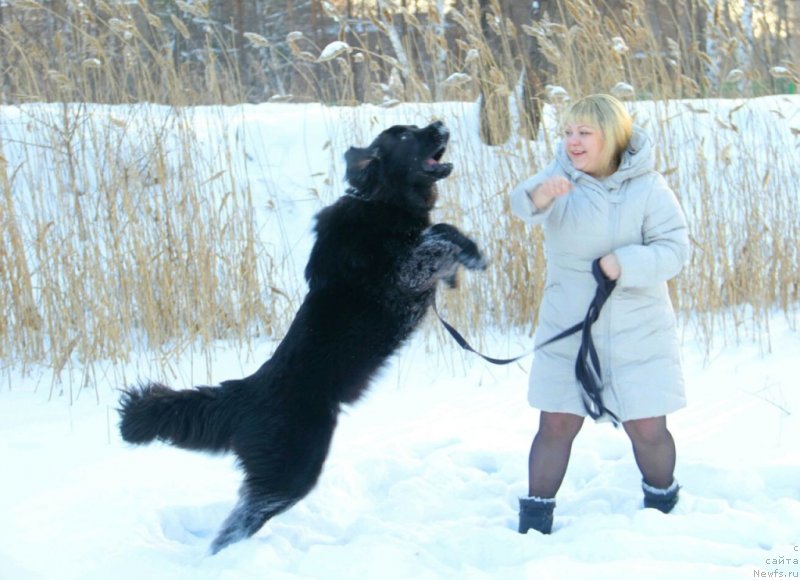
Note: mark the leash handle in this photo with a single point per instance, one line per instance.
(587, 364)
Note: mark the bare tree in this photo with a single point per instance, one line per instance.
(792, 11)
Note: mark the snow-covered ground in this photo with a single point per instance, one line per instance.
(424, 474)
(422, 482)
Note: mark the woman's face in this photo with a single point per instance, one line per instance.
(584, 145)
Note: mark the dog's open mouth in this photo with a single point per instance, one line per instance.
(433, 163)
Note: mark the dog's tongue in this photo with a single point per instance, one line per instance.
(432, 162)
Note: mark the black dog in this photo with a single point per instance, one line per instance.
(371, 275)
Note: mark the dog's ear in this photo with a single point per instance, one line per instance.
(361, 165)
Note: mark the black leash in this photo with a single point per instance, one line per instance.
(587, 364)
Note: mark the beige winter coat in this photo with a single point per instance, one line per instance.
(636, 215)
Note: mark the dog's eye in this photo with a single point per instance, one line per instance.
(404, 136)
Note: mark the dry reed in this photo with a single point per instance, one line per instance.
(142, 251)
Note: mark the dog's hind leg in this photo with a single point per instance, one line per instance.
(281, 465)
(251, 512)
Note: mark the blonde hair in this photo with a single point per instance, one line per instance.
(610, 117)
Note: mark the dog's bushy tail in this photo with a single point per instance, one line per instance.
(195, 419)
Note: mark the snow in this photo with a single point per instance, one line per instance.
(332, 50)
(424, 474)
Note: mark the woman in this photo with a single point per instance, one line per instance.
(601, 199)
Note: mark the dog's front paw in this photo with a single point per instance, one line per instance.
(468, 254)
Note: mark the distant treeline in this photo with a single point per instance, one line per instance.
(196, 52)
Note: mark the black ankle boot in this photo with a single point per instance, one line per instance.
(662, 499)
(536, 513)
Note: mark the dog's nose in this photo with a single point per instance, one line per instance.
(440, 128)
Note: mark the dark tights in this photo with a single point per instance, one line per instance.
(550, 450)
(653, 448)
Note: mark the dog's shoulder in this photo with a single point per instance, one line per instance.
(358, 239)
(347, 224)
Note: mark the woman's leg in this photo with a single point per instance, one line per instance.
(550, 451)
(654, 450)
(547, 465)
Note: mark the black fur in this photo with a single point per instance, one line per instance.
(371, 277)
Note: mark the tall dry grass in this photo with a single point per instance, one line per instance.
(126, 235)
(97, 261)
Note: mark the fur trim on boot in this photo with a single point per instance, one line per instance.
(662, 499)
(536, 513)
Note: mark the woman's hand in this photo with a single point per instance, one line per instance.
(548, 190)
(610, 266)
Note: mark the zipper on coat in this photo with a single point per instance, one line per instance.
(614, 202)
